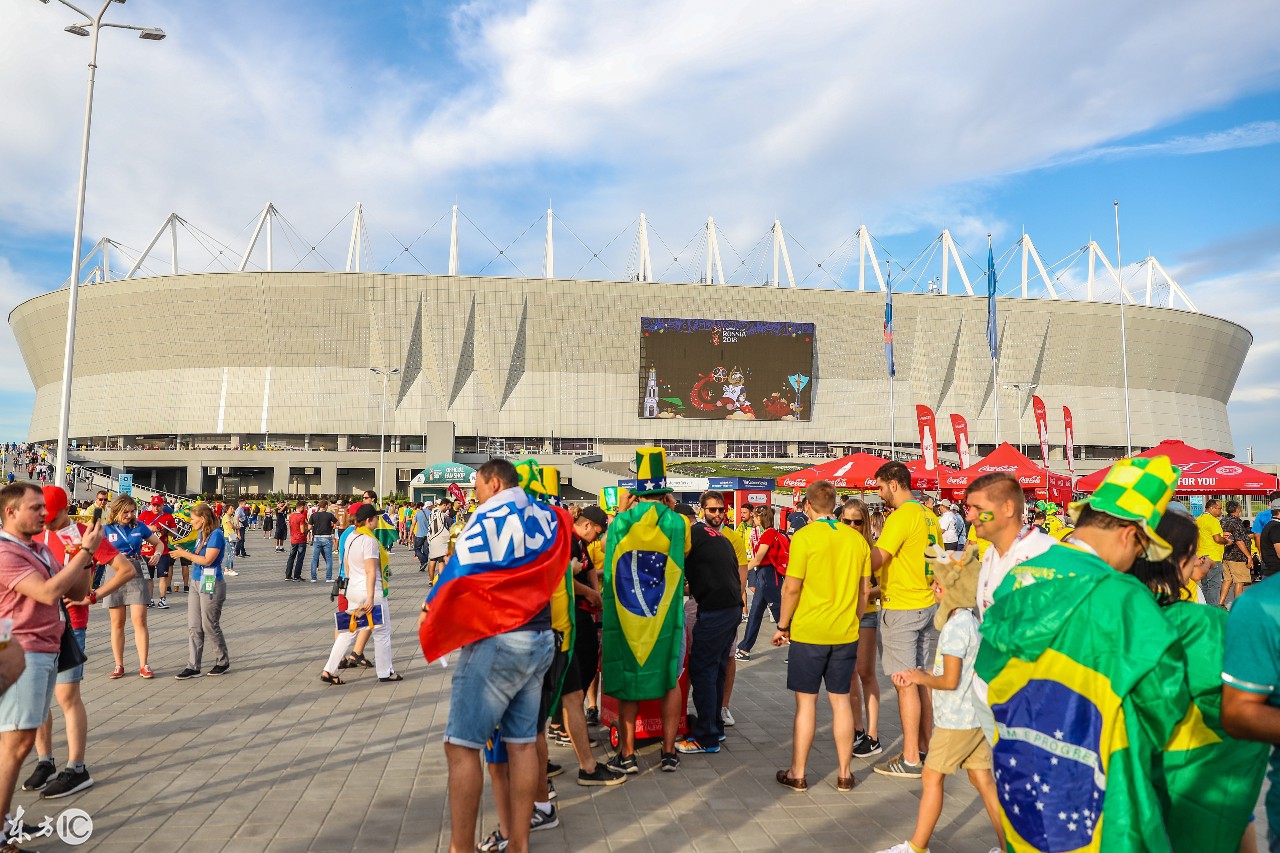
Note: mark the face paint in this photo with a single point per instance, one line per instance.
(986, 517)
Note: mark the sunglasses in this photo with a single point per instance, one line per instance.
(853, 521)
(716, 509)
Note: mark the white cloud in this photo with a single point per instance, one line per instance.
(1251, 135)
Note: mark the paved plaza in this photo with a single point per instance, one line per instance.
(267, 758)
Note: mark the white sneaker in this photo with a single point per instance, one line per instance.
(904, 847)
(726, 717)
(231, 573)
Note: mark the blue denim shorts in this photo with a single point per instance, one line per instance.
(75, 674)
(498, 681)
(25, 705)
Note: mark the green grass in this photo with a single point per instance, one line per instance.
(732, 468)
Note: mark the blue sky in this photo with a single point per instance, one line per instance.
(906, 116)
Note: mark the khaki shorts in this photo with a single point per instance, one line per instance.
(1236, 572)
(951, 749)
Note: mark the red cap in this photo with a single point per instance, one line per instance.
(55, 501)
(157, 500)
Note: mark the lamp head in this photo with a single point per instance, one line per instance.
(76, 30)
(150, 33)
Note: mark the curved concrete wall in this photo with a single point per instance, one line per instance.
(290, 353)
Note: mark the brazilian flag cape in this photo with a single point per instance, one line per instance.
(643, 593)
(1210, 779)
(1087, 683)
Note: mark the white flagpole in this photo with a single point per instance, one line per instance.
(1124, 342)
(893, 444)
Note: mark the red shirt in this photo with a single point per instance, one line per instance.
(297, 528)
(161, 523)
(79, 613)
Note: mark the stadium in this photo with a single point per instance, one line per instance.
(205, 381)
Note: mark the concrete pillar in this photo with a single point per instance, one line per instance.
(195, 476)
(793, 449)
(329, 479)
(342, 444)
(722, 449)
(280, 478)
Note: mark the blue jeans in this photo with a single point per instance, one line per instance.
(420, 550)
(767, 592)
(498, 681)
(713, 636)
(1211, 586)
(322, 545)
(293, 568)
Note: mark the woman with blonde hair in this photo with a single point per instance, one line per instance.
(864, 693)
(127, 535)
(204, 608)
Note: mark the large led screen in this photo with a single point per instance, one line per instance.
(725, 369)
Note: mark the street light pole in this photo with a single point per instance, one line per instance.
(382, 438)
(1020, 387)
(92, 27)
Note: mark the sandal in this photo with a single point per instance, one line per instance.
(394, 676)
(331, 679)
(359, 660)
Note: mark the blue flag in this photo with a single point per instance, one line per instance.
(992, 343)
(888, 328)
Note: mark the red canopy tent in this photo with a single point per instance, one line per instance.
(859, 472)
(1203, 472)
(925, 479)
(1046, 484)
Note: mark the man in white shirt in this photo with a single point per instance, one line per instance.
(997, 507)
(952, 527)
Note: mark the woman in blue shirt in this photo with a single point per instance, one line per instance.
(204, 609)
(127, 535)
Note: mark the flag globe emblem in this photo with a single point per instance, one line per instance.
(1048, 766)
(641, 581)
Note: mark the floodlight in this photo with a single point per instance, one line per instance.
(76, 30)
(150, 33)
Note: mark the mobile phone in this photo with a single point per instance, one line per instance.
(97, 514)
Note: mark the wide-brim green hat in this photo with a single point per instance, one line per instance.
(1137, 490)
(651, 472)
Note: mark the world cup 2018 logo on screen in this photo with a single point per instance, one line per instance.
(726, 369)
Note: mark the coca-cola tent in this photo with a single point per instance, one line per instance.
(1203, 472)
(850, 472)
(1046, 484)
(921, 478)
(859, 472)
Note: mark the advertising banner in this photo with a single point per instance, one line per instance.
(928, 437)
(726, 369)
(961, 430)
(1070, 442)
(1042, 428)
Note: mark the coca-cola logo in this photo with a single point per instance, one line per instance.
(1230, 470)
(998, 468)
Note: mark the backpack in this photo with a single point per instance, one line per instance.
(780, 554)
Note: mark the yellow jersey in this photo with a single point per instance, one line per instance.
(831, 559)
(906, 580)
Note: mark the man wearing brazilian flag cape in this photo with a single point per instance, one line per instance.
(1086, 678)
(493, 601)
(642, 648)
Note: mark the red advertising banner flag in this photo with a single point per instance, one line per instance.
(1071, 441)
(928, 437)
(1042, 428)
(961, 430)
(455, 492)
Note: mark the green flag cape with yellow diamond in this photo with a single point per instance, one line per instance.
(643, 616)
(1212, 780)
(1087, 683)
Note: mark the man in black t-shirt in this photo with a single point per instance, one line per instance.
(1269, 545)
(324, 538)
(711, 569)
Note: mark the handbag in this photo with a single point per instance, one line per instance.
(70, 655)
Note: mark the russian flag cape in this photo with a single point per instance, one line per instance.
(507, 563)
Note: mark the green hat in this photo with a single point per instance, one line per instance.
(531, 478)
(1138, 490)
(651, 472)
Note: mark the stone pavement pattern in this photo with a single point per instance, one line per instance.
(267, 758)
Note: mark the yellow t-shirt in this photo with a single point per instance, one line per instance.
(739, 545)
(906, 581)
(975, 539)
(831, 559)
(1209, 528)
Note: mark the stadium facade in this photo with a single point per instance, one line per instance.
(205, 366)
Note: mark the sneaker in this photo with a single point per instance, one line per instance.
(741, 655)
(543, 820)
(561, 739)
(118, 672)
(145, 671)
(151, 603)
(726, 717)
(904, 847)
(232, 573)
(556, 731)
(593, 716)
(624, 763)
(187, 673)
(45, 770)
(219, 669)
(162, 604)
(68, 782)
(603, 775)
(900, 768)
(313, 580)
(553, 770)
(744, 618)
(495, 842)
(867, 747)
(551, 791)
(671, 762)
(690, 746)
